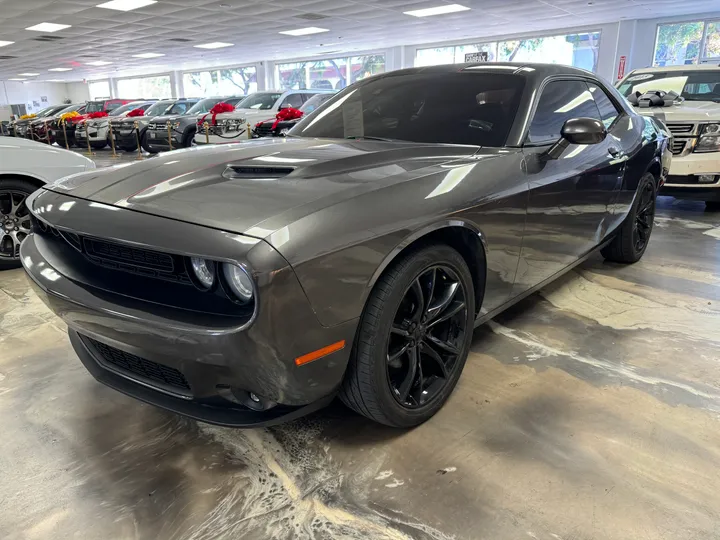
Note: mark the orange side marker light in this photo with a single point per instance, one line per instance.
(315, 355)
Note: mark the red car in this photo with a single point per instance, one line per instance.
(98, 106)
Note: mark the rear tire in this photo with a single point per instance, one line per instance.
(633, 236)
(144, 143)
(397, 332)
(16, 189)
(712, 206)
(188, 138)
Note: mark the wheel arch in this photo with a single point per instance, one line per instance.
(464, 237)
(38, 182)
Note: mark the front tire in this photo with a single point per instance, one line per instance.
(413, 339)
(633, 237)
(14, 219)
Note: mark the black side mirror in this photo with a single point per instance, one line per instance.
(577, 131)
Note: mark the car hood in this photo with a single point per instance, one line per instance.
(249, 114)
(257, 187)
(687, 111)
(173, 118)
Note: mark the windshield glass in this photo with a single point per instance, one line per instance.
(157, 109)
(262, 102)
(69, 108)
(95, 106)
(204, 105)
(698, 85)
(46, 111)
(314, 102)
(457, 108)
(128, 107)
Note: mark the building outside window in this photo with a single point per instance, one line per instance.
(156, 87)
(99, 89)
(240, 81)
(327, 74)
(579, 50)
(687, 43)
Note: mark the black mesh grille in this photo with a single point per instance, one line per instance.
(142, 368)
(117, 253)
(264, 130)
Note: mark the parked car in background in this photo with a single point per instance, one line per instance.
(279, 126)
(126, 137)
(96, 107)
(232, 126)
(96, 129)
(183, 126)
(251, 283)
(24, 167)
(41, 129)
(20, 127)
(687, 99)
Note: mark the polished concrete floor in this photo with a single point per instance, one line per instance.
(589, 411)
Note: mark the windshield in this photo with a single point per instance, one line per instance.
(457, 108)
(157, 109)
(128, 107)
(314, 102)
(697, 85)
(69, 108)
(46, 111)
(204, 105)
(261, 102)
(95, 106)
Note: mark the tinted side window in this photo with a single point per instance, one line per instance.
(608, 111)
(560, 101)
(112, 106)
(293, 100)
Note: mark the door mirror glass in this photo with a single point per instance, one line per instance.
(583, 131)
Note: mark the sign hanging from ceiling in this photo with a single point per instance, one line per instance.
(476, 57)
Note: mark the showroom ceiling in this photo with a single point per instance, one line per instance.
(173, 28)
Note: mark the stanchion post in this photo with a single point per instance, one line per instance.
(47, 133)
(207, 132)
(112, 140)
(249, 133)
(67, 144)
(137, 136)
(15, 130)
(169, 128)
(87, 138)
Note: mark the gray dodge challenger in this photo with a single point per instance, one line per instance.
(249, 284)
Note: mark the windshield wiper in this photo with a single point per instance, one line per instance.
(370, 138)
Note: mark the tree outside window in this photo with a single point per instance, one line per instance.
(712, 41)
(678, 44)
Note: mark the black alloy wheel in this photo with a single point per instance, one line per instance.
(14, 220)
(425, 339)
(413, 338)
(644, 217)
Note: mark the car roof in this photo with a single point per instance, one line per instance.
(686, 67)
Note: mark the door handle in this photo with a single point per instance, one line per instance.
(614, 152)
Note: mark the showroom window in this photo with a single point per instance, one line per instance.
(328, 74)
(687, 43)
(99, 89)
(156, 87)
(240, 81)
(579, 50)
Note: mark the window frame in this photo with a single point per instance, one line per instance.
(702, 45)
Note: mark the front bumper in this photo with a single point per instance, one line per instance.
(212, 353)
(157, 139)
(685, 170)
(126, 136)
(94, 133)
(225, 138)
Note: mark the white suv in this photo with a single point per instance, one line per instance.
(232, 126)
(687, 100)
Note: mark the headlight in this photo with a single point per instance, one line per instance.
(238, 281)
(204, 271)
(176, 125)
(284, 132)
(709, 140)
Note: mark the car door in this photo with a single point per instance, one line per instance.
(569, 198)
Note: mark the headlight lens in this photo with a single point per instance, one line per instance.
(238, 281)
(204, 271)
(284, 132)
(709, 140)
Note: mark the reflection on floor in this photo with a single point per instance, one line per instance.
(588, 411)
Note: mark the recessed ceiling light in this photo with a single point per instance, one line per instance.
(148, 55)
(28, 74)
(439, 10)
(214, 45)
(48, 27)
(5, 43)
(16, 79)
(126, 5)
(60, 69)
(54, 80)
(305, 31)
(98, 63)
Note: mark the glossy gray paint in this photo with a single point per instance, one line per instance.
(329, 227)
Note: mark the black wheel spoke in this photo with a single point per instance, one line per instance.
(450, 312)
(447, 298)
(404, 389)
(399, 330)
(443, 345)
(394, 356)
(431, 353)
(420, 301)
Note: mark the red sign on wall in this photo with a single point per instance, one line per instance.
(621, 68)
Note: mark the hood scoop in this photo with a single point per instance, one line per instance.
(253, 171)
